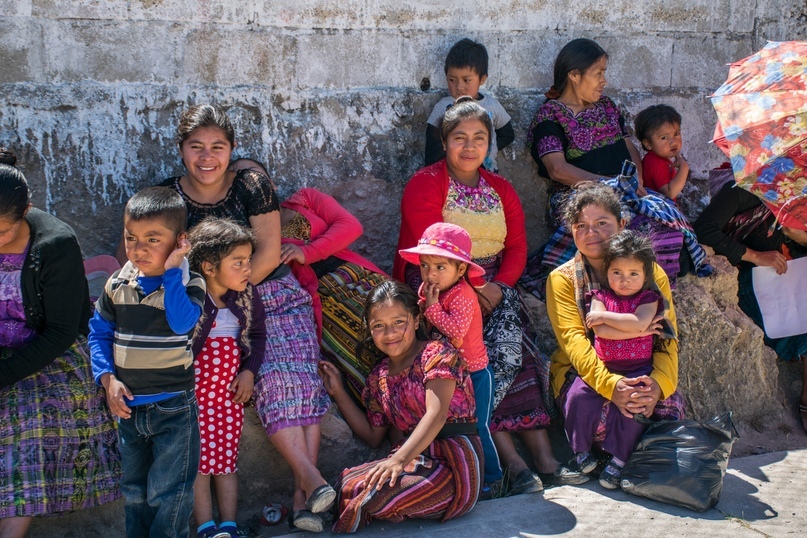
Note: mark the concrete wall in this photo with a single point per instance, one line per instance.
(329, 93)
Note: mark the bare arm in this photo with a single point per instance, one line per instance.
(438, 398)
(266, 257)
(637, 161)
(634, 323)
(672, 189)
(563, 172)
(355, 417)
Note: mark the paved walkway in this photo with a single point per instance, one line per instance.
(763, 495)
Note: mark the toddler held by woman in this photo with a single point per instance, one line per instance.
(625, 317)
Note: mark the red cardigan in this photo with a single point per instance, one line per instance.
(422, 206)
(333, 229)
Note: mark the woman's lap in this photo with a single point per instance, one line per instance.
(672, 408)
(288, 389)
(523, 406)
(59, 448)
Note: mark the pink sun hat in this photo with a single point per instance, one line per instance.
(446, 240)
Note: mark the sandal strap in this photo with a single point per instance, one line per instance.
(802, 408)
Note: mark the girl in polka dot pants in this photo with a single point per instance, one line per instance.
(228, 346)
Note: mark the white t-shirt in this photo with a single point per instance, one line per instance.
(497, 113)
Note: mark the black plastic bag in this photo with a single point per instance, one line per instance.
(681, 462)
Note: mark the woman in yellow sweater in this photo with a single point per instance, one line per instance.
(593, 214)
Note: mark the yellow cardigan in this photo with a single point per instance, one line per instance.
(575, 349)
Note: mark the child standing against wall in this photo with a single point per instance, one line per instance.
(664, 168)
(228, 346)
(466, 70)
(140, 338)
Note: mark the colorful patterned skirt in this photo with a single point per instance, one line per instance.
(441, 483)
(343, 293)
(288, 389)
(59, 448)
(673, 408)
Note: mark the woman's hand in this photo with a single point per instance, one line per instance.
(331, 378)
(387, 470)
(491, 297)
(771, 258)
(291, 253)
(634, 395)
(242, 386)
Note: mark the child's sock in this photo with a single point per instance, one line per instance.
(206, 526)
(617, 462)
(228, 526)
(582, 456)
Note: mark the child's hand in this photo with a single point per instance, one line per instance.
(291, 253)
(115, 394)
(431, 292)
(175, 258)
(679, 161)
(331, 378)
(654, 329)
(594, 318)
(242, 386)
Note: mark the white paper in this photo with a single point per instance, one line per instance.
(782, 298)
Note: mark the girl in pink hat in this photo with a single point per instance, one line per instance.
(451, 306)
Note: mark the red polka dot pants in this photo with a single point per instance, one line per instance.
(220, 420)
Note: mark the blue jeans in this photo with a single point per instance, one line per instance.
(483, 390)
(159, 447)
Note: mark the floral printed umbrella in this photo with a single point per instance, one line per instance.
(762, 127)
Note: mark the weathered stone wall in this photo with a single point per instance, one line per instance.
(329, 93)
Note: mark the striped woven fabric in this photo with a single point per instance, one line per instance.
(441, 483)
(343, 293)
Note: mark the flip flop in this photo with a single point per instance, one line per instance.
(306, 521)
(273, 513)
(321, 499)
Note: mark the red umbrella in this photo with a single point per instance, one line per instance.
(762, 127)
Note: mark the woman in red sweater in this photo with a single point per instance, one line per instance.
(457, 190)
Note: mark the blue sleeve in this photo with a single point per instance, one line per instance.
(100, 340)
(182, 313)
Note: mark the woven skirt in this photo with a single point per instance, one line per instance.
(441, 483)
(59, 448)
(343, 293)
(288, 389)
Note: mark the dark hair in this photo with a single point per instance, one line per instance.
(468, 53)
(14, 195)
(629, 244)
(199, 116)
(576, 55)
(464, 108)
(7, 156)
(158, 203)
(248, 164)
(214, 239)
(394, 292)
(649, 120)
(591, 193)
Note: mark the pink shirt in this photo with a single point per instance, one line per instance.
(458, 316)
(633, 349)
